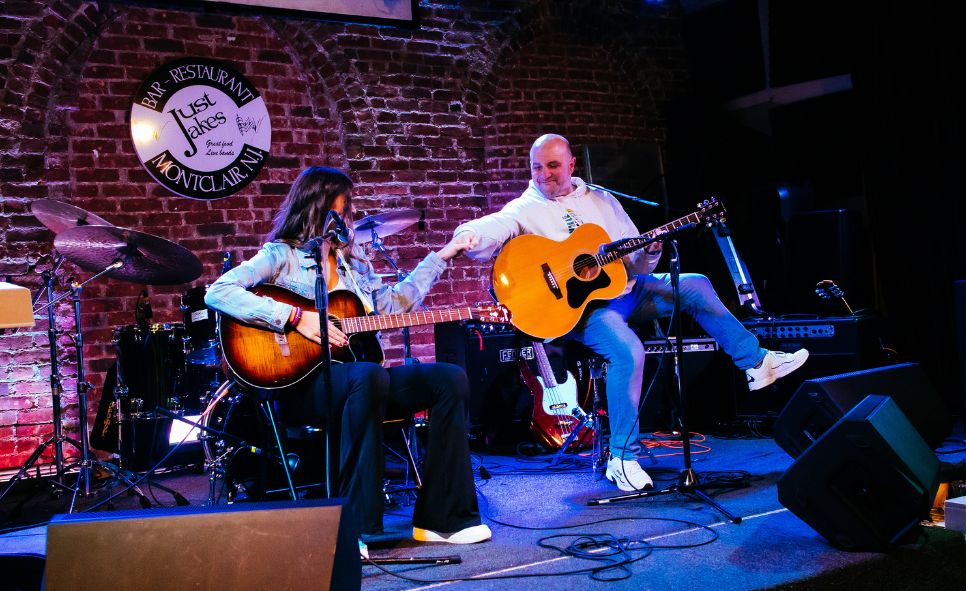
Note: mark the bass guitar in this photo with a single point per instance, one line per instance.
(554, 403)
(265, 359)
(547, 284)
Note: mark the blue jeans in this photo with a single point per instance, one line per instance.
(605, 330)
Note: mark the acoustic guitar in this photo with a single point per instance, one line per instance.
(546, 284)
(265, 359)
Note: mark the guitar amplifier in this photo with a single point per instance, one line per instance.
(499, 408)
(707, 384)
(837, 344)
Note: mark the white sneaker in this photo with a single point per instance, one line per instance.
(628, 475)
(363, 550)
(775, 364)
(468, 535)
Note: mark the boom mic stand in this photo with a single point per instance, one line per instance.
(689, 482)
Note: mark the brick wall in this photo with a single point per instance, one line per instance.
(439, 119)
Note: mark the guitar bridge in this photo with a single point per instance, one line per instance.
(551, 281)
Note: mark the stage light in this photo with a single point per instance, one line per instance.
(143, 132)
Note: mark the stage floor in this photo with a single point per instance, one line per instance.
(678, 542)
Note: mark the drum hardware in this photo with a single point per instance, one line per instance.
(378, 227)
(231, 427)
(106, 251)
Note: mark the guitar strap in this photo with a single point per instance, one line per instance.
(350, 280)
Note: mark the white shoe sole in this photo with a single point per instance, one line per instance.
(470, 535)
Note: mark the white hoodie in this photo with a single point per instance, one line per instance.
(556, 218)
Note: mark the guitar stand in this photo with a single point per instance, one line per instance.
(591, 420)
(688, 480)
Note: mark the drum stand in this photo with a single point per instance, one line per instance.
(83, 483)
(88, 463)
(58, 439)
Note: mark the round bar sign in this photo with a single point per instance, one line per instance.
(200, 128)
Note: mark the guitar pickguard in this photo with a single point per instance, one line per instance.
(578, 291)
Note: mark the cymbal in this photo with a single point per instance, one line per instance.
(59, 216)
(145, 258)
(385, 224)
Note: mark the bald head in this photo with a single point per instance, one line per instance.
(552, 164)
(550, 139)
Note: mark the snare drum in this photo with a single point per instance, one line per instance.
(201, 326)
(150, 361)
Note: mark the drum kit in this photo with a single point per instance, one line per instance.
(170, 369)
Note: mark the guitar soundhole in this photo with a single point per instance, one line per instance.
(585, 267)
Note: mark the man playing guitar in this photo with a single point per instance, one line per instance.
(554, 205)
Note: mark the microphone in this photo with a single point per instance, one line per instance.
(335, 231)
(339, 232)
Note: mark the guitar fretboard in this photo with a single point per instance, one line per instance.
(387, 321)
(543, 363)
(632, 244)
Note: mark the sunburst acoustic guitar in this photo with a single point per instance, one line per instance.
(265, 359)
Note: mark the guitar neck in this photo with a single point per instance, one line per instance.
(634, 244)
(543, 364)
(387, 321)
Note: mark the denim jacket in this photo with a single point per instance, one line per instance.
(294, 269)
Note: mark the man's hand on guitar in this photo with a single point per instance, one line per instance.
(654, 249)
(309, 328)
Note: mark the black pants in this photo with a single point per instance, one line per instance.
(362, 392)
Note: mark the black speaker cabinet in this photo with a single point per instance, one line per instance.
(707, 384)
(500, 404)
(867, 482)
(836, 345)
(819, 403)
(257, 546)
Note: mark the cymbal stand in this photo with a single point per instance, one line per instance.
(689, 482)
(83, 483)
(400, 276)
(57, 439)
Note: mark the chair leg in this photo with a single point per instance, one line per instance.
(267, 405)
(408, 440)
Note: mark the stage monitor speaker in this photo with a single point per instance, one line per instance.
(819, 403)
(257, 546)
(867, 482)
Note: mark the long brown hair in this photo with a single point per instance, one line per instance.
(303, 212)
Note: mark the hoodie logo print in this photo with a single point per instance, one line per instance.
(572, 220)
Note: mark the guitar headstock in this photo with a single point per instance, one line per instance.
(711, 211)
(495, 313)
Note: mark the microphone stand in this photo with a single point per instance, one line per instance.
(322, 307)
(689, 482)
